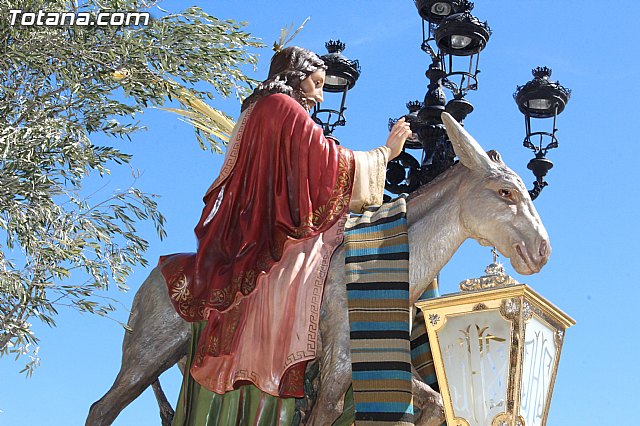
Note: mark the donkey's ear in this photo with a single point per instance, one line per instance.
(466, 148)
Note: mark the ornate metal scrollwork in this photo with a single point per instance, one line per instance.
(495, 277)
(558, 337)
(480, 307)
(403, 174)
(527, 311)
(510, 308)
(434, 319)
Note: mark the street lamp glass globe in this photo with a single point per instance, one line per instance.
(441, 8)
(460, 41)
(540, 104)
(334, 80)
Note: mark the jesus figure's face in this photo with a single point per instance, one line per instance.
(312, 87)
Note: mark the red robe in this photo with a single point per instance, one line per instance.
(281, 180)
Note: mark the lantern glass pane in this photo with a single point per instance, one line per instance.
(540, 104)
(460, 41)
(537, 370)
(441, 8)
(333, 80)
(475, 351)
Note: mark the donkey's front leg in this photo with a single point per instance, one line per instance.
(427, 403)
(335, 359)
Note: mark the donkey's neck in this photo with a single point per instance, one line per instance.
(435, 231)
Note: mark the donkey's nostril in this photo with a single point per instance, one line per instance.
(544, 248)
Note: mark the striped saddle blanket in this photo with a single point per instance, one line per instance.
(382, 345)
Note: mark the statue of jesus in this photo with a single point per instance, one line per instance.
(270, 224)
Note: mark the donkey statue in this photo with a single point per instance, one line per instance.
(479, 198)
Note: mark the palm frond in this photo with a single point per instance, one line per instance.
(285, 38)
(212, 123)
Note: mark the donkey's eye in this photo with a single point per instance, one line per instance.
(505, 193)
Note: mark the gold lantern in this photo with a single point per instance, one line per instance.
(496, 347)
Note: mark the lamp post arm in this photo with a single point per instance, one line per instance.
(538, 185)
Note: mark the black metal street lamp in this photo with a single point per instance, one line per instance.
(461, 35)
(342, 75)
(456, 33)
(541, 98)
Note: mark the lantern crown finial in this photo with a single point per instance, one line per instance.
(541, 72)
(335, 46)
(414, 106)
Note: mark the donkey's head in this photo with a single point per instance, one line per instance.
(496, 209)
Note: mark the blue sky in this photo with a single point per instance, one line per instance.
(589, 209)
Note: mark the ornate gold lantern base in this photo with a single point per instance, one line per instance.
(496, 351)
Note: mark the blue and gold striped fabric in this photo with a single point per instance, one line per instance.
(377, 270)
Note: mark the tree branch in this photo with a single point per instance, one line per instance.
(39, 98)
